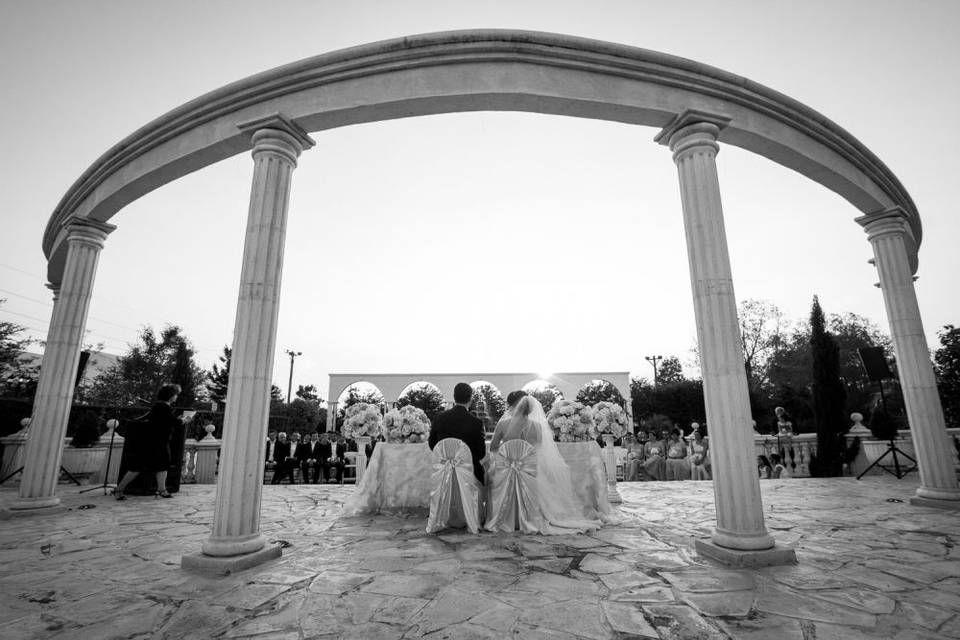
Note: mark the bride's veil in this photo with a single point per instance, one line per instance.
(553, 473)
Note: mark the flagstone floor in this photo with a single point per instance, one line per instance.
(868, 567)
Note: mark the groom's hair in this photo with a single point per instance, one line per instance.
(514, 397)
(462, 393)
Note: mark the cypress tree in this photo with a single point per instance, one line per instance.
(829, 397)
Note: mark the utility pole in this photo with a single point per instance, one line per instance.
(654, 360)
(292, 354)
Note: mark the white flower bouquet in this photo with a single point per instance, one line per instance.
(611, 418)
(571, 421)
(362, 419)
(405, 425)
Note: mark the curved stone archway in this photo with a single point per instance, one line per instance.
(697, 107)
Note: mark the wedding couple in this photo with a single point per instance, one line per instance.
(552, 509)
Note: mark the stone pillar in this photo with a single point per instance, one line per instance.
(236, 541)
(692, 136)
(58, 371)
(331, 416)
(889, 233)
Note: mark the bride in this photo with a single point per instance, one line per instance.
(552, 509)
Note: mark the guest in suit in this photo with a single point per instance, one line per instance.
(152, 439)
(281, 452)
(269, 462)
(324, 455)
(339, 459)
(305, 460)
(459, 423)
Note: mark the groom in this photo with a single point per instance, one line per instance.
(459, 423)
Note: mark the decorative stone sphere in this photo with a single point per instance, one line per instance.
(209, 428)
(26, 422)
(113, 423)
(856, 417)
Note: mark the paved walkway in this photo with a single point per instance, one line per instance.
(868, 568)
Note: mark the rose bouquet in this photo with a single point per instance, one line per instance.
(362, 419)
(571, 421)
(407, 424)
(611, 418)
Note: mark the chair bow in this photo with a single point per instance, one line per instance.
(455, 496)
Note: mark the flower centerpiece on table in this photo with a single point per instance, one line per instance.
(571, 421)
(408, 424)
(611, 418)
(362, 419)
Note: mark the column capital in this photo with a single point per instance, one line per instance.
(276, 132)
(89, 232)
(885, 222)
(690, 122)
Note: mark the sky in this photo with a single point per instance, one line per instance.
(478, 242)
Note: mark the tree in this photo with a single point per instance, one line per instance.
(761, 331)
(17, 378)
(309, 392)
(682, 401)
(947, 367)
(600, 391)
(425, 397)
(218, 378)
(829, 397)
(301, 415)
(151, 362)
(670, 370)
(546, 395)
(493, 402)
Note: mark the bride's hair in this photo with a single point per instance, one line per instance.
(525, 406)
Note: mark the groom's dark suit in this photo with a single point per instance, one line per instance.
(461, 424)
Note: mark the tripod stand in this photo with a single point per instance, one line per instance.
(106, 472)
(20, 470)
(897, 471)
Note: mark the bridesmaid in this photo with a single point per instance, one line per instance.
(678, 467)
(634, 458)
(699, 457)
(653, 456)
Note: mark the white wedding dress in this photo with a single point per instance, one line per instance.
(533, 484)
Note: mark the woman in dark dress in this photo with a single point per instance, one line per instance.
(151, 453)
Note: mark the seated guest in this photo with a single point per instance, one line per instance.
(634, 459)
(325, 455)
(269, 463)
(281, 451)
(654, 453)
(778, 469)
(763, 467)
(699, 457)
(339, 459)
(678, 467)
(291, 463)
(307, 457)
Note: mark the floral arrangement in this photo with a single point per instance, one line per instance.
(362, 419)
(407, 424)
(571, 421)
(611, 418)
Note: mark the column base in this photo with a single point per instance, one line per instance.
(8, 513)
(211, 565)
(919, 501)
(746, 559)
(613, 496)
(35, 504)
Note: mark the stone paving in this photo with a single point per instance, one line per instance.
(868, 567)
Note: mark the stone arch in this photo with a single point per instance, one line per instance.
(609, 384)
(346, 388)
(491, 414)
(481, 70)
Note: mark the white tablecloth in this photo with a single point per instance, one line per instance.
(398, 476)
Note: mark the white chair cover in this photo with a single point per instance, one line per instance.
(513, 489)
(455, 493)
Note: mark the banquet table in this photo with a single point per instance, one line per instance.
(398, 476)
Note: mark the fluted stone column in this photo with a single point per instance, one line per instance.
(888, 233)
(331, 416)
(692, 136)
(277, 143)
(58, 372)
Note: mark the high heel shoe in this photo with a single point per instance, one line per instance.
(163, 494)
(117, 494)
